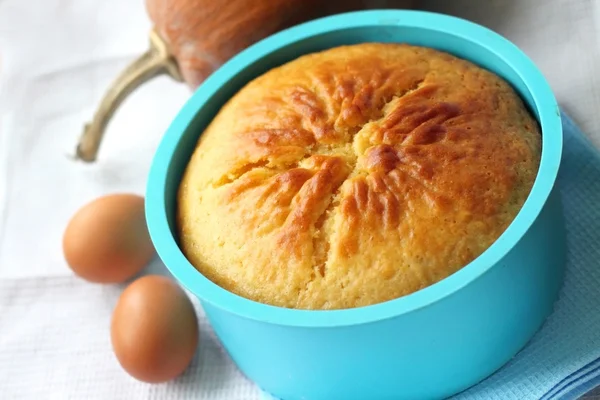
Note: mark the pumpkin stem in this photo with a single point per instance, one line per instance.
(157, 60)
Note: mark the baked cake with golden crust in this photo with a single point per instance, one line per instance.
(356, 175)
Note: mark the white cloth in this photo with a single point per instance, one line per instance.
(55, 345)
(561, 36)
(57, 57)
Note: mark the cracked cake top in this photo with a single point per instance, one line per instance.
(356, 175)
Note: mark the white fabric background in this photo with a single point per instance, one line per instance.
(56, 59)
(561, 36)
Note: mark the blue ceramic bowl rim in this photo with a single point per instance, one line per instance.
(208, 292)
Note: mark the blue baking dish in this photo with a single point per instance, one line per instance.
(427, 345)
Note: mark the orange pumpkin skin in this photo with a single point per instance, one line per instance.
(203, 34)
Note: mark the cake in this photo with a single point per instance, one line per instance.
(355, 175)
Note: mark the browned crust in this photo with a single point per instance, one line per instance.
(356, 175)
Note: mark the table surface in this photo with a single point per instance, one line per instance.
(593, 395)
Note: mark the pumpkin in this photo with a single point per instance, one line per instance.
(192, 38)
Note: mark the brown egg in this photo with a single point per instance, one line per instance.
(107, 240)
(154, 329)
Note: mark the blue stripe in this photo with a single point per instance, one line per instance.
(569, 379)
(580, 388)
